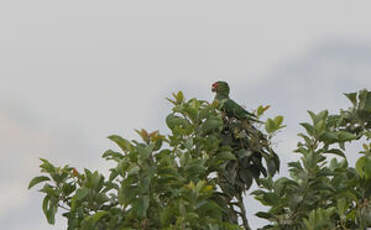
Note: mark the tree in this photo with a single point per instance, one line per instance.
(323, 194)
(196, 177)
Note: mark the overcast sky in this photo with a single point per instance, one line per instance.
(74, 72)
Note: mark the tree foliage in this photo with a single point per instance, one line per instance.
(196, 177)
(323, 192)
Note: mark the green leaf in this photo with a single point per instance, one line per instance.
(271, 198)
(134, 170)
(364, 100)
(127, 193)
(37, 180)
(346, 136)
(112, 155)
(141, 206)
(308, 127)
(352, 97)
(367, 168)
(270, 126)
(360, 165)
(68, 188)
(173, 121)
(295, 164)
(97, 216)
(313, 116)
(226, 156)
(322, 116)
(46, 166)
(320, 126)
(212, 124)
(51, 213)
(264, 215)
(49, 190)
(121, 142)
(272, 167)
(45, 206)
(195, 168)
(246, 177)
(341, 206)
(257, 192)
(179, 97)
(49, 209)
(171, 101)
(95, 181)
(81, 193)
(278, 121)
(262, 109)
(336, 152)
(329, 137)
(143, 134)
(367, 103)
(199, 185)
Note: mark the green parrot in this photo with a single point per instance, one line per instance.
(231, 108)
(245, 135)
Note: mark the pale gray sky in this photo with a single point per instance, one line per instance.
(74, 72)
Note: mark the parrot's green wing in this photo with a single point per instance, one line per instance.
(235, 110)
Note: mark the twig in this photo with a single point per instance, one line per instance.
(243, 212)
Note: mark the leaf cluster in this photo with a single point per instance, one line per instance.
(160, 182)
(197, 176)
(324, 193)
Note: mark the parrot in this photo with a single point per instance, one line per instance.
(239, 124)
(230, 107)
